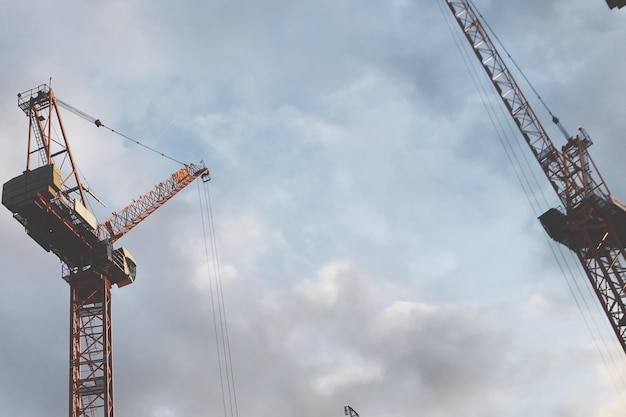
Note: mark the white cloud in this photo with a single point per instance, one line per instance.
(345, 372)
(325, 294)
(539, 305)
(613, 409)
(403, 317)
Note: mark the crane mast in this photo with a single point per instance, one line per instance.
(593, 223)
(49, 200)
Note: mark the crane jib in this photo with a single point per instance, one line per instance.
(130, 216)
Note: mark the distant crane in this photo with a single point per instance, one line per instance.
(49, 200)
(593, 224)
(349, 411)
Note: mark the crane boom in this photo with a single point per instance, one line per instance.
(130, 216)
(594, 222)
(571, 179)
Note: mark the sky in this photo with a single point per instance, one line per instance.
(375, 245)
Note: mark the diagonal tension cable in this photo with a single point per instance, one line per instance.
(98, 123)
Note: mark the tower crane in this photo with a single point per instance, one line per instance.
(592, 222)
(49, 200)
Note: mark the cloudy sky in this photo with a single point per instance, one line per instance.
(375, 245)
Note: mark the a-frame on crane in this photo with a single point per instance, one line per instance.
(349, 411)
(50, 201)
(594, 222)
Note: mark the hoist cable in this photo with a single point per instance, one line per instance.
(221, 306)
(220, 293)
(222, 340)
(213, 303)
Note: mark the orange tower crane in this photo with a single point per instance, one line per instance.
(593, 222)
(49, 200)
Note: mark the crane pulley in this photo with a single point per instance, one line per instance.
(594, 222)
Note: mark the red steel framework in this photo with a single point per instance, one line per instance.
(49, 200)
(91, 351)
(593, 224)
